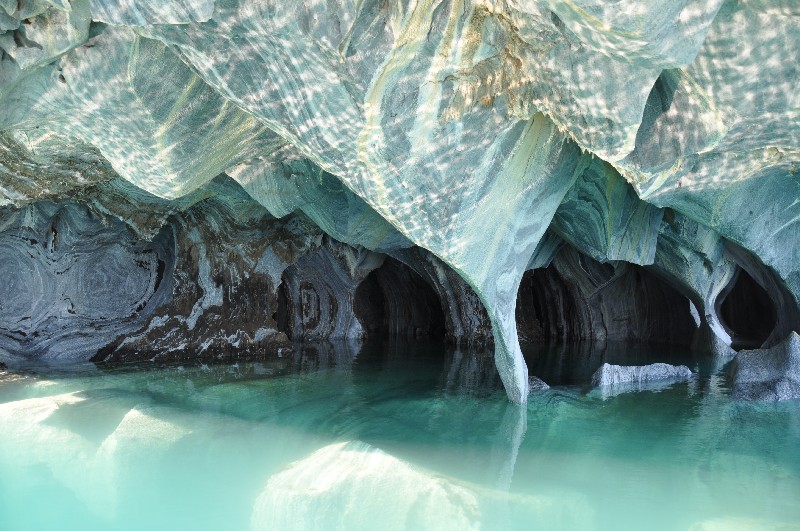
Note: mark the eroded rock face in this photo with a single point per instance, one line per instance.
(466, 320)
(229, 257)
(228, 281)
(768, 375)
(318, 292)
(468, 140)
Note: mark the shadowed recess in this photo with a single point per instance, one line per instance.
(747, 311)
(578, 298)
(395, 302)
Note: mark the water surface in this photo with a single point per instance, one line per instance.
(388, 436)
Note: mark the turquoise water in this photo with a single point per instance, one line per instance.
(387, 437)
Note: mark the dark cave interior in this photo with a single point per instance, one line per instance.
(395, 302)
(747, 312)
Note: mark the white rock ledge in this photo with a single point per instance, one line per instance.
(615, 379)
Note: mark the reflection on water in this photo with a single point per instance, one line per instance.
(389, 436)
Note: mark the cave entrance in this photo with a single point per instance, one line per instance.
(581, 299)
(578, 313)
(394, 302)
(747, 312)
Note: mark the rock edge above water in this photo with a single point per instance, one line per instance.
(768, 375)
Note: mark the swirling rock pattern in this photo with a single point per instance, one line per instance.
(603, 216)
(72, 283)
(229, 257)
(319, 292)
(483, 135)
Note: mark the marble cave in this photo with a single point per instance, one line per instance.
(532, 221)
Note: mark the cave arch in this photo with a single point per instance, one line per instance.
(747, 312)
(394, 302)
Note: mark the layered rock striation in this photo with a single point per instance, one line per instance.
(191, 178)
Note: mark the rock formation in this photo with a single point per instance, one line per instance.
(537, 384)
(768, 375)
(220, 178)
(610, 375)
(611, 380)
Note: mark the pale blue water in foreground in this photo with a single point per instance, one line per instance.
(390, 437)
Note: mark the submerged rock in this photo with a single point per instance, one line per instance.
(768, 375)
(359, 479)
(351, 482)
(536, 384)
(634, 378)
